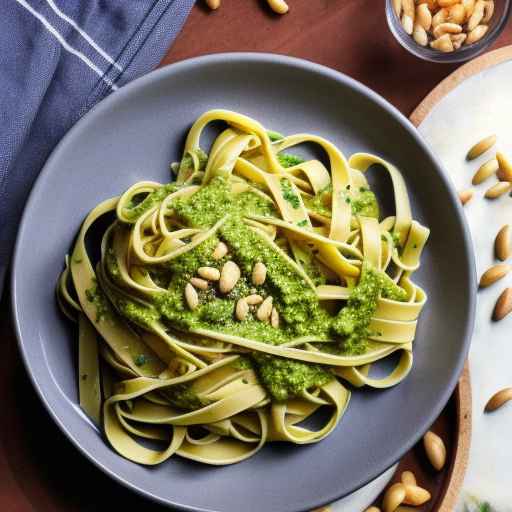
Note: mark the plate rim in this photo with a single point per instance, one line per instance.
(246, 57)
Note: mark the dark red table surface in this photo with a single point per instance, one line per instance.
(39, 469)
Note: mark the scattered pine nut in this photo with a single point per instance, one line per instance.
(213, 4)
(259, 273)
(502, 243)
(485, 171)
(220, 251)
(199, 283)
(274, 318)
(394, 497)
(278, 6)
(466, 195)
(265, 310)
(322, 509)
(254, 299)
(191, 296)
(435, 450)
(416, 496)
(503, 305)
(229, 276)
(499, 399)
(498, 190)
(210, 273)
(408, 478)
(493, 274)
(505, 167)
(481, 146)
(241, 310)
(372, 509)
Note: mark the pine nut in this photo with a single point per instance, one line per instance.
(322, 509)
(446, 28)
(502, 243)
(408, 8)
(254, 299)
(439, 17)
(499, 400)
(458, 40)
(199, 283)
(394, 496)
(242, 309)
(435, 450)
(213, 4)
(456, 14)
(259, 274)
(503, 305)
(408, 24)
(191, 296)
(447, 3)
(210, 273)
(274, 318)
(423, 16)
(477, 16)
(488, 11)
(466, 195)
(265, 310)
(397, 7)
(505, 167)
(408, 478)
(498, 190)
(481, 146)
(469, 7)
(220, 251)
(419, 34)
(372, 509)
(415, 495)
(278, 6)
(493, 274)
(485, 170)
(443, 44)
(229, 276)
(477, 34)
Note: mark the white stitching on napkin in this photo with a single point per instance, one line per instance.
(65, 44)
(84, 34)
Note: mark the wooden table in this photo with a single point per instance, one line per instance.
(39, 469)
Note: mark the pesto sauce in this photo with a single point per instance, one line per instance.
(96, 296)
(285, 378)
(184, 397)
(289, 194)
(287, 160)
(135, 209)
(300, 311)
(353, 321)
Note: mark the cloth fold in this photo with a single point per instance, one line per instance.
(58, 59)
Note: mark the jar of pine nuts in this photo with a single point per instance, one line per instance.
(447, 30)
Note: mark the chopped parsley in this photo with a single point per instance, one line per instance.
(289, 194)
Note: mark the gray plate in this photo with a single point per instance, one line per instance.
(133, 135)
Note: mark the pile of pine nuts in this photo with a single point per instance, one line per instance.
(445, 25)
(278, 6)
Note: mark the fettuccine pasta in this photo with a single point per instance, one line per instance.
(229, 306)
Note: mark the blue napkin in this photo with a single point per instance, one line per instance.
(58, 59)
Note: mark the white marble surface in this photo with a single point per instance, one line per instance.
(478, 107)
